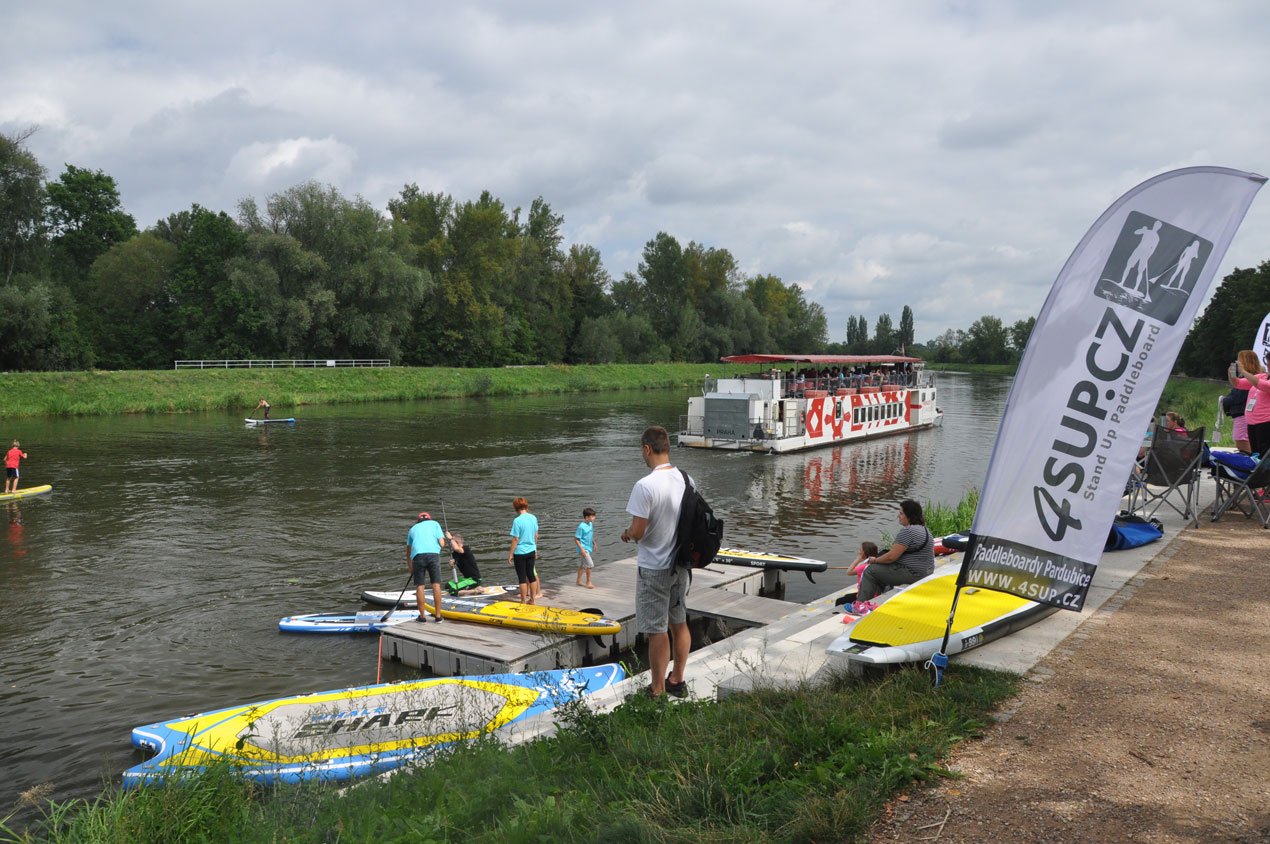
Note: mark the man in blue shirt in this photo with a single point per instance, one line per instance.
(423, 555)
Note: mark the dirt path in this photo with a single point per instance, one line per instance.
(1150, 723)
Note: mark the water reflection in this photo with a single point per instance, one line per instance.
(150, 582)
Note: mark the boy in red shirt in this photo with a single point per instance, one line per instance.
(11, 460)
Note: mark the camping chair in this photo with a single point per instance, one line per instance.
(1172, 462)
(1238, 489)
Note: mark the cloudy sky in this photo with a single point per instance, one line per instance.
(942, 155)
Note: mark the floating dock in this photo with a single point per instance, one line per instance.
(731, 596)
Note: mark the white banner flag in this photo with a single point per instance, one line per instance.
(1090, 378)
(1261, 343)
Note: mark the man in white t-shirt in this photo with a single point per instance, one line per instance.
(661, 587)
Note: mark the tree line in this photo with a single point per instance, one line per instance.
(310, 273)
(430, 280)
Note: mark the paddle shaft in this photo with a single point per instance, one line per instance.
(409, 577)
(445, 523)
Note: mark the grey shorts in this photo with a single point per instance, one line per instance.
(586, 562)
(427, 569)
(659, 598)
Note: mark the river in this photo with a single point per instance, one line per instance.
(149, 584)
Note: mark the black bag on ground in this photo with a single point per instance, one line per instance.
(699, 534)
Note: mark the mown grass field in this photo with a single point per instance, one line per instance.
(98, 393)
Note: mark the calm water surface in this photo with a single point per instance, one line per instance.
(150, 583)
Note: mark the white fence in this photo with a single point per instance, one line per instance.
(274, 364)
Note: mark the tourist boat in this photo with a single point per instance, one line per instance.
(796, 402)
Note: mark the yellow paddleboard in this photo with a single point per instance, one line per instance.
(26, 493)
(526, 616)
(920, 613)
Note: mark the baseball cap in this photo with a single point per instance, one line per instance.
(423, 516)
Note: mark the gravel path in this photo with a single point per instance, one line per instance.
(1150, 723)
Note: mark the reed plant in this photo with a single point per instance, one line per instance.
(807, 764)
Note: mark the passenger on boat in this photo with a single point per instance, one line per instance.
(910, 558)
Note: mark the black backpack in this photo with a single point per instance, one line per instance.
(698, 534)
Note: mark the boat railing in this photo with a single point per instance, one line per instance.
(693, 424)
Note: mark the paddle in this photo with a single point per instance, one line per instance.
(391, 609)
(454, 570)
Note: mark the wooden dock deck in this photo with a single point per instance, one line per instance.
(728, 594)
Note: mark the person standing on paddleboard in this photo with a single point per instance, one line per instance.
(265, 405)
(423, 556)
(523, 553)
(11, 460)
(661, 587)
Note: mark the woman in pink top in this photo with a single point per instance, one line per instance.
(1257, 412)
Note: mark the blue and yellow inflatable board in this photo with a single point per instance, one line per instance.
(347, 733)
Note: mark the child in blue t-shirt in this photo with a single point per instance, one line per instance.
(584, 539)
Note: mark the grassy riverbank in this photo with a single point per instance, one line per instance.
(1196, 400)
(788, 766)
(97, 393)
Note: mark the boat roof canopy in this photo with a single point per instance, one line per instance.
(820, 359)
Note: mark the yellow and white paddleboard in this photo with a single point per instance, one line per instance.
(909, 626)
(525, 616)
(26, 493)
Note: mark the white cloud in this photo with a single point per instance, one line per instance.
(945, 156)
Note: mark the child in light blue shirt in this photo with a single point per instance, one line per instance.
(584, 539)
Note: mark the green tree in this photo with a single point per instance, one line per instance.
(1228, 325)
(884, 339)
(21, 206)
(1020, 333)
(664, 272)
(334, 266)
(208, 306)
(129, 304)
(987, 341)
(86, 219)
(588, 282)
(905, 335)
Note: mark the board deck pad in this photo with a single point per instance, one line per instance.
(920, 613)
(26, 493)
(345, 733)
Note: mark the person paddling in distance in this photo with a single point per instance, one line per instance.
(661, 587)
(266, 406)
(423, 556)
(11, 461)
(523, 553)
(910, 558)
